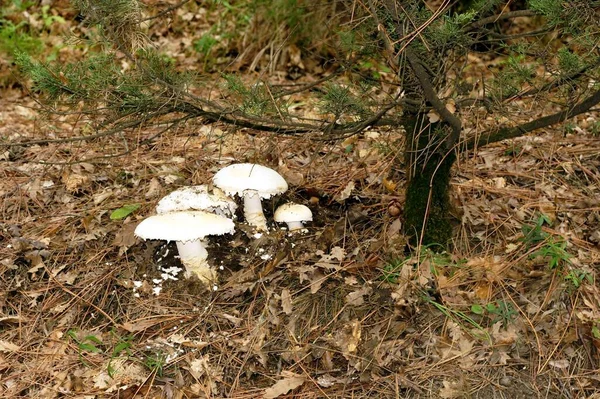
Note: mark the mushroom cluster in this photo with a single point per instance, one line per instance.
(190, 214)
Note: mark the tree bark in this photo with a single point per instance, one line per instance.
(429, 163)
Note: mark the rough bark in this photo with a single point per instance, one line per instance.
(427, 206)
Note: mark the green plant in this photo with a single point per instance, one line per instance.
(497, 311)
(339, 100)
(595, 128)
(17, 34)
(123, 345)
(15, 38)
(435, 260)
(577, 277)
(596, 331)
(124, 211)
(50, 19)
(156, 362)
(204, 44)
(459, 318)
(22, 5)
(569, 128)
(554, 252)
(551, 248)
(391, 270)
(513, 151)
(568, 61)
(533, 235)
(89, 343)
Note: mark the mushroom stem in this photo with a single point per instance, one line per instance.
(193, 256)
(253, 212)
(292, 226)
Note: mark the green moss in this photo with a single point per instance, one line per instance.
(427, 206)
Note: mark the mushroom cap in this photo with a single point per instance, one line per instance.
(237, 178)
(197, 198)
(292, 213)
(183, 226)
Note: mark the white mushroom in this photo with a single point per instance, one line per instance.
(187, 229)
(197, 198)
(293, 215)
(252, 182)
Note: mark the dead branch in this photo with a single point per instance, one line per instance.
(432, 97)
(494, 136)
(499, 17)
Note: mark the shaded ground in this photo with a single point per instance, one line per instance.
(340, 311)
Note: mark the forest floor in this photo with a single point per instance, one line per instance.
(340, 311)
(343, 310)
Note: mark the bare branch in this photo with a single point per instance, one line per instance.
(494, 136)
(558, 82)
(166, 11)
(495, 18)
(432, 97)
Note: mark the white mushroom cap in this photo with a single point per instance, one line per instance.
(252, 182)
(197, 198)
(238, 178)
(293, 215)
(187, 229)
(183, 226)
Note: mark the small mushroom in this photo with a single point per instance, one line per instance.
(293, 215)
(188, 230)
(197, 198)
(252, 182)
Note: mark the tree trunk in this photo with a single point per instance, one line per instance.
(427, 206)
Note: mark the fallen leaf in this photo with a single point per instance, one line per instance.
(433, 116)
(346, 192)
(286, 301)
(316, 281)
(73, 181)
(451, 390)
(199, 367)
(12, 319)
(284, 386)
(140, 325)
(124, 211)
(559, 364)
(394, 228)
(348, 338)
(101, 196)
(125, 237)
(390, 185)
(295, 56)
(6, 346)
(331, 260)
(337, 253)
(153, 188)
(504, 337)
(356, 298)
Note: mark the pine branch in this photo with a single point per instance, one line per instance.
(432, 97)
(166, 11)
(499, 17)
(505, 133)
